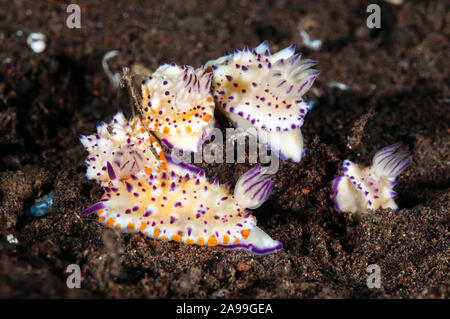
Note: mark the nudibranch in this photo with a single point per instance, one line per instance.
(177, 204)
(256, 89)
(188, 209)
(178, 106)
(126, 145)
(371, 187)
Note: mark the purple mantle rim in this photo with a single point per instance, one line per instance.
(191, 168)
(334, 185)
(253, 249)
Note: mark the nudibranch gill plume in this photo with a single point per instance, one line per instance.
(187, 208)
(178, 107)
(125, 145)
(256, 89)
(371, 187)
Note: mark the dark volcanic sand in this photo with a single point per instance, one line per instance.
(47, 99)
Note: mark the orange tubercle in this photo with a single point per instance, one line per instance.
(131, 227)
(176, 238)
(212, 241)
(110, 222)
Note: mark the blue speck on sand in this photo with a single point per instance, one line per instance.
(42, 206)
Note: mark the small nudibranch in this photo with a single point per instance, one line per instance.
(188, 209)
(258, 90)
(178, 106)
(371, 187)
(125, 145)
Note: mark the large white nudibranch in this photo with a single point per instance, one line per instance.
(175, 201)
(256, 89)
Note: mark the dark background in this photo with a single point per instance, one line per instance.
(399, 71)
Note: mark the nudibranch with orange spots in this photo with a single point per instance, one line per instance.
(188, 209)
(256, 89)
(371, 187)
(177, 105)
(165, 205)
(126, 145)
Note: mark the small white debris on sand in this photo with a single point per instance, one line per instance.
(339, 85)
(312, 44)
(114, 78)
(36, 41)
(395, 2)
(12, 239)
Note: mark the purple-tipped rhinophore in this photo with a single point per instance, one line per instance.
(92, 209)
(253, 188)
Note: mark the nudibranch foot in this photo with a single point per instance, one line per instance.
(188, 209)
(275, 141)
(360, 189)
(177, 105)
(264, 91)
(258, 243)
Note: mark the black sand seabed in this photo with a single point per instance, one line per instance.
(47, 99)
